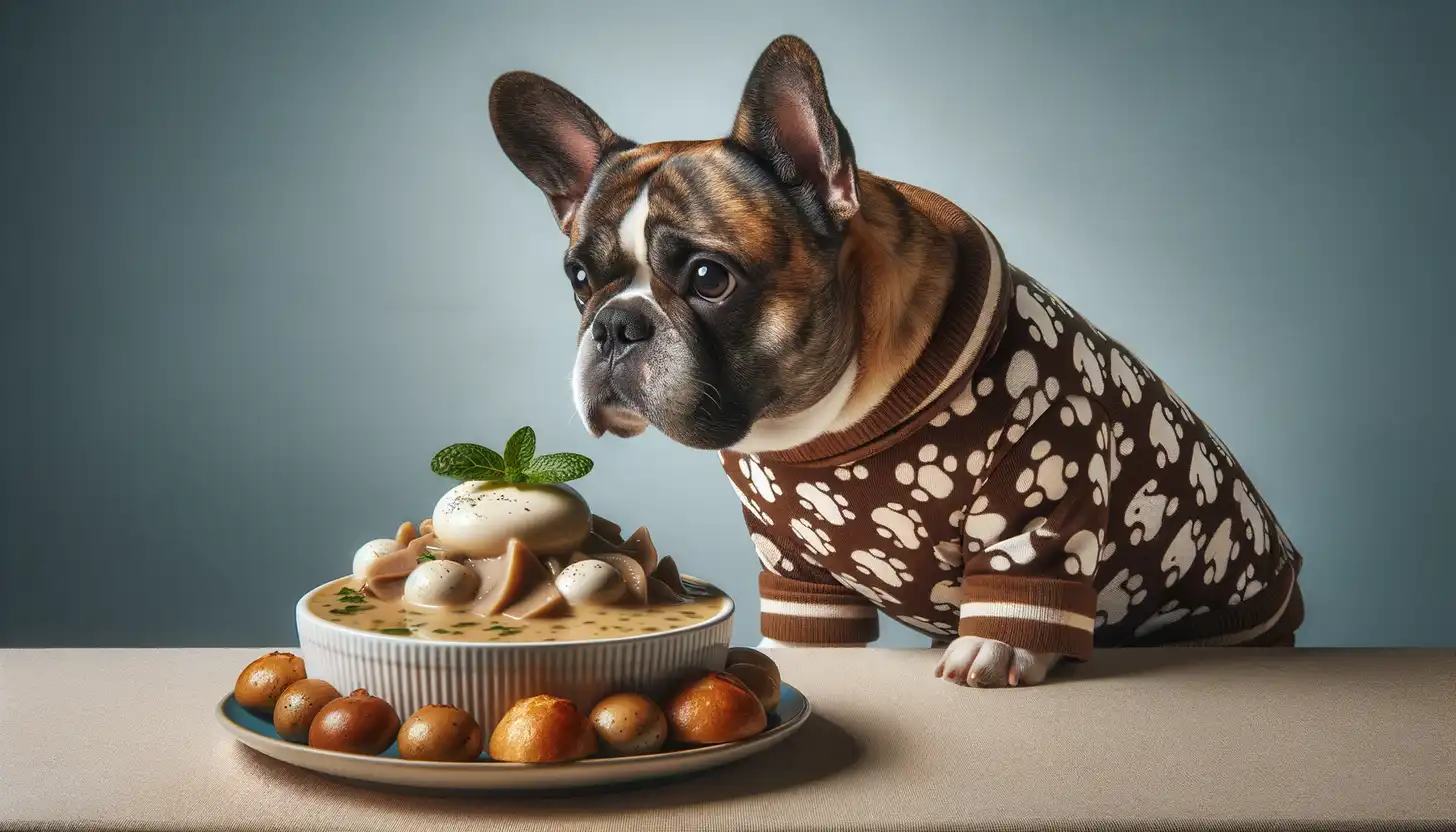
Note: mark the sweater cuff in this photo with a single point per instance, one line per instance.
(1043, 615)
(800, 612)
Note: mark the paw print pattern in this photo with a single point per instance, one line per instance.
(1076, 410)
(1046, 326)
(965, 402)
(1145, 513)
(1205, 474)
(1097, 468)
(1165, 432)
(900, 525)
(982, 526)
(1091, 364)
(949, 555)
(889, 571)
(1121, 448)
(946, 595)
(1082, 550)
(1020, 549)
(845, 473)
(770, 556)
(1124, 592)
(1167, 614)
(920, 622)
(751, 504)
(1183, 412)
(760, 479)
(1049, 477)
(1246, 588)
(816, 539)
(1222, 548)
(1255, 529)
(931, 478)
(1128, 377)
(877, 596)
(826, 506)
(1179, 557)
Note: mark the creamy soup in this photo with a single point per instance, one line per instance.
(342, 603)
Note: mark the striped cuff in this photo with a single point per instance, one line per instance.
(803, 613)
(1043, 615)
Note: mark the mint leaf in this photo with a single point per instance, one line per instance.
(464, 461)
(520, 450)
(558, 468)
(424, 558)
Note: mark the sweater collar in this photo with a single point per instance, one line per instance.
(968, 330)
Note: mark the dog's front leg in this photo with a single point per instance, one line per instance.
(984, 662)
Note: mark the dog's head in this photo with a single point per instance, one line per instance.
(706, 272)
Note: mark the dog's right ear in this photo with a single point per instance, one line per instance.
(554, 138)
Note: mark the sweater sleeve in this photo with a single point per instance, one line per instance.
(1034, 533)
(802, 603)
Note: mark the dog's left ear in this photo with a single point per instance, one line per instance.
(552, 136)
(785, 119)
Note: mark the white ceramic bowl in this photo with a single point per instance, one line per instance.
(487, 678)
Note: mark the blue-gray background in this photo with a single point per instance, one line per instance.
(261, 260)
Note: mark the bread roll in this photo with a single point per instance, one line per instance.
(542, 729)
(715, 708)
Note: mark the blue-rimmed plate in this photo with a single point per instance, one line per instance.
(389, 769)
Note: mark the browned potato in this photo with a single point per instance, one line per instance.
(262, 681)
(542, 729)
(764, 686)
(442, 733)
(299, 703)
(355, 724)
(715, 708)
(629, 723)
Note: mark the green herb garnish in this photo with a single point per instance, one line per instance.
(396, 631)
(425, 557)
(441, 631)
(467, 624)
(519, 463)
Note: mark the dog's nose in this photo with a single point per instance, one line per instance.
(618, 327)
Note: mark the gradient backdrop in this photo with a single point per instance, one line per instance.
(262, 260)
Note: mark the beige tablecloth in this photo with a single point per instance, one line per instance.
(1135, 739)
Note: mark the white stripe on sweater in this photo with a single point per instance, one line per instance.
(1025, 612)
(1242, 636)
(801, 609)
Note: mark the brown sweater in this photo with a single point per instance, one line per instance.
(1029, 480)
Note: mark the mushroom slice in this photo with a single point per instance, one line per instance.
(639, 547)
(554, 565)
(427, 525)
(405, 534)
(660, 593)
(632, 574)
(384, 577)
(667, 573)
(609, 531)
(595, 544)
(505, 577)
(541, 601)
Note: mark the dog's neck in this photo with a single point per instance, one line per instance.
(897, 265)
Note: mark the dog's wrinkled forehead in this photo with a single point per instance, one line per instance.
(667, 200)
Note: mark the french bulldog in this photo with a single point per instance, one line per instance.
(913, 425)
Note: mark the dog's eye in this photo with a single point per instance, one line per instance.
(577, 275)
(710, 280)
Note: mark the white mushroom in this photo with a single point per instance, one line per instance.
(371, 550)
(480, 518)
(591, 582)
(440, 583)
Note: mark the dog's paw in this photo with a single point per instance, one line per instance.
(987, 663)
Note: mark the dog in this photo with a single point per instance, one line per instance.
(913, 424)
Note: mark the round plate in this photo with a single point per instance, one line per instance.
(486, 774)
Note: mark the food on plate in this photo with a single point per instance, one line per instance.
(629, 724)
(263, 680)
(748, 655)
(715, 708)
(514, 554)
(354, 724)
(543, 729)
(299, 703)
(442, 733)
(757, 680)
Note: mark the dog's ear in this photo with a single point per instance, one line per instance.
(554, 138)
(785, 119)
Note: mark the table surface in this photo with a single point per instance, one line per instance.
(1271, 738)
